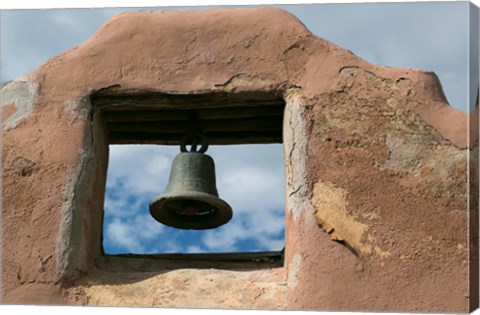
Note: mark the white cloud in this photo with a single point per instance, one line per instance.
(158, 165)
(143, 169)
(250, 178)
(253, 230)
(225, 239)
(148, 228)
(262, 227)
(121, 205)
(136, 174)
(252, 189)
(133, 234)
(122, 235)
(270, 244)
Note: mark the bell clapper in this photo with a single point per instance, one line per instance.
(190, 208)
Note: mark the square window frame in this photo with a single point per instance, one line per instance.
(128, 117)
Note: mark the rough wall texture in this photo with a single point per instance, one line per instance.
(145, 284)
(376, 166)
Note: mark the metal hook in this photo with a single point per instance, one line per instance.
(194, 137)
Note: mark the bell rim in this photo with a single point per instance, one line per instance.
(222, 216)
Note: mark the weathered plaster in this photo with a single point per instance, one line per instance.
(190, 288)
(332, 216)
(295, 135)
(21, 94)
(73, 249)
(293, 268)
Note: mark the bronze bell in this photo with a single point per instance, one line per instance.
(191, 199)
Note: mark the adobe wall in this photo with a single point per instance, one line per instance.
(376, 169)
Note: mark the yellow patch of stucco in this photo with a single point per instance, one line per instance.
(331, 215)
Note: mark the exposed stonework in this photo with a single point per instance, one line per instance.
(376, 166)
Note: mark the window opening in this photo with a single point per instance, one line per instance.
(249, 177)
(244, 131)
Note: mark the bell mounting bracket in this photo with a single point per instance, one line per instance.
(194, 137)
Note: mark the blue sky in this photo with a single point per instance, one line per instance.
(429, 36)
(249, 177)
